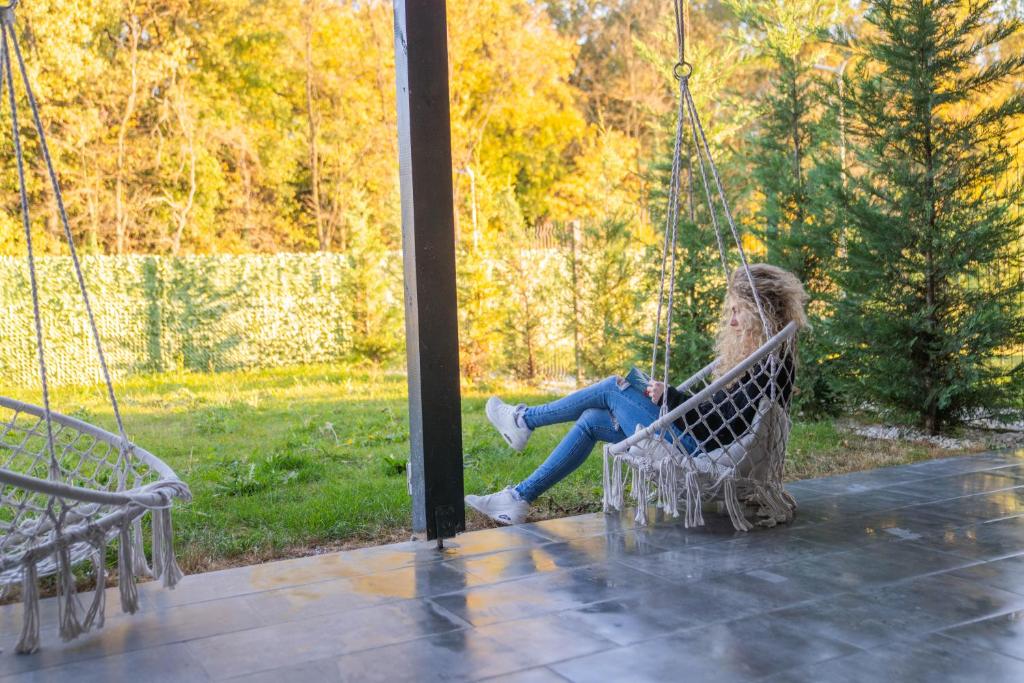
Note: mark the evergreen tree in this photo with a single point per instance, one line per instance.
(930, 211)
(791, 153)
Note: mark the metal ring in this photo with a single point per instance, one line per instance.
(682, 70)
(7, 12)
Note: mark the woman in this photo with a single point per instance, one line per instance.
(613, 408)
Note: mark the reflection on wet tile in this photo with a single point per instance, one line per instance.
(143, 630)
(342, 595)
(567, 528)
(279, 645)
(900, 611)
(943, 488)
(320, 670)
(165, 664)
(1004, 634)
(457, 655)
(545, 639)
(985, 541)
(1007, 573)
(870, 529)
(538, 675)
(543, 593)
(859, 482)
(639, 617)
(734, 651)
(933, 659)
(862, 568)
(492, 540)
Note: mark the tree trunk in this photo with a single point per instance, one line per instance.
(120, 210)
(311, 120)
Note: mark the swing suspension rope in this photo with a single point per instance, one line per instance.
(699, 147)
(65, 499)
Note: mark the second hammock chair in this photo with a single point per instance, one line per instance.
(68, 488)
(740, 460)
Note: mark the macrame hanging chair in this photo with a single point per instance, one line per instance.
(740, 462)
(67, 488)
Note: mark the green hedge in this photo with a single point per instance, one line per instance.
(199, 313)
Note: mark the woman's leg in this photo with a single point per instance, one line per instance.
(571, 407)
(624, 410)
(593, 425)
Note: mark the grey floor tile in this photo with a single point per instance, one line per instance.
(643, 616)
(455, 656)
(343, 595)
(735, 651)
(860, 569)
(543, 593)
(281, 645)
(956, 486)
(860, 482)
(1007, 573)
(905, 610)
(320, 670)
(539, 675)
(166, 664)
(493, 540)
(567, 528)
(983, 541)
(538, 641)
(931, 660)
(1004, 634)
(143, 630)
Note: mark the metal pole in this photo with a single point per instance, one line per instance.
(428, 245)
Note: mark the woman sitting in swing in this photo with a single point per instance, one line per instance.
(612, 409)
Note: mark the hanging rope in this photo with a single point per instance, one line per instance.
(63, 500)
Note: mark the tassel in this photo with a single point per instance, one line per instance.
(126, 571)
(640, 494)
(732, 504)
(138, 548)
(163, 547)
(68, 604)
(606, 481)
(95, 615)
(29, 641)
(694, 511)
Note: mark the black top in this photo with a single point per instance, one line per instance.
(727, 415)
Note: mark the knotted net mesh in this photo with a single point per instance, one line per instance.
(726, 441)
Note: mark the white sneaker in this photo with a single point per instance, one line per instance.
(504, 507)
(506, 420)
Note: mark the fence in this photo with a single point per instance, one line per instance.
(214, 313)
(198, 313)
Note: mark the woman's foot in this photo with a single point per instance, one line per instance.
(504, 507)
(508, 420)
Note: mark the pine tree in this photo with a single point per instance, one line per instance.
(929, 210)
(792, 153)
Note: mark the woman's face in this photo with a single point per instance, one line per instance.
(733, 311)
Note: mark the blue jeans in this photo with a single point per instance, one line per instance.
(607, 411)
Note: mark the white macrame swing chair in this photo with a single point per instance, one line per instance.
(68, 488)
(740, 463)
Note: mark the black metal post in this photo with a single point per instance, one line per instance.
(428, 243)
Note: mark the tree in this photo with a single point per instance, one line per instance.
(929, 212)
(792, 151)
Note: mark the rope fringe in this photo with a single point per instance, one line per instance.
(29, 641)
(126, 568)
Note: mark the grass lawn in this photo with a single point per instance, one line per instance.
(283, 462)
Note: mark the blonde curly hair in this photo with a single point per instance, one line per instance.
(782, 298)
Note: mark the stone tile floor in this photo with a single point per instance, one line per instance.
(913, 573)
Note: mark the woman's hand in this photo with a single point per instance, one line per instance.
(655, 390)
